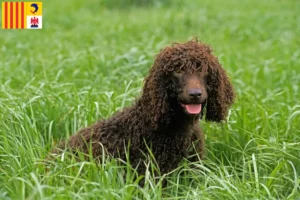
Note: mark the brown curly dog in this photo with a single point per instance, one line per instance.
(185, 83)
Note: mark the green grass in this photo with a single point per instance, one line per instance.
(89, 60)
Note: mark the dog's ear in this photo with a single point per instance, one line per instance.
(221, 94)
(155, 97)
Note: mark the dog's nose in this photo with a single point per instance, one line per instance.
(195, 93)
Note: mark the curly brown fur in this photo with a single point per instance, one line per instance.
(185, 83)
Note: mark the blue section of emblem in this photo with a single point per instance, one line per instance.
(36, 8)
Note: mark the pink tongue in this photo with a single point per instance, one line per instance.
(193, 108)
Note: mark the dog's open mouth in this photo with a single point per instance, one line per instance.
(192, 109)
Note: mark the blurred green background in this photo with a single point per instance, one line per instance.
(89, 60)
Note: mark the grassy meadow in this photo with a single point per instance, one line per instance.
(89, 60)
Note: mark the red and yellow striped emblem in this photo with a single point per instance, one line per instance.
(14, 14)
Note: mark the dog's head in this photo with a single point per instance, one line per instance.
(188, 77)
(190, 90)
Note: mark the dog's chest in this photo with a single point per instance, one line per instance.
(166, 146)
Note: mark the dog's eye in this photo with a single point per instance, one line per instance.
(178, 71)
